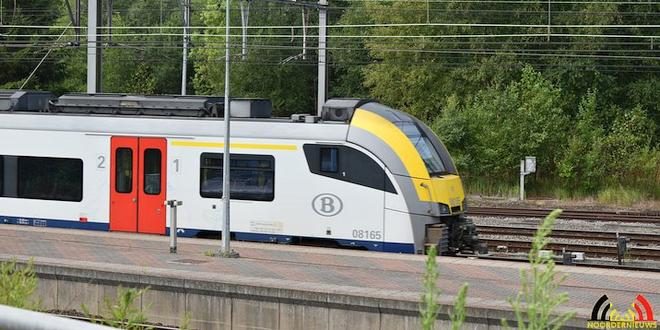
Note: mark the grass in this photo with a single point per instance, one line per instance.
(429, 305)
(123, 313)
(429, 301)
(537, 300)
(17, 284)
(613, 194)
(491, 188)
(620, 195)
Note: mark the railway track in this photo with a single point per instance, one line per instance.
(633, 217)
(636, 238)
(594, 243)
(590, 250)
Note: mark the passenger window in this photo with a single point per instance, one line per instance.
(124, 170)
(152, 170)
(2, 175)
(50, 178)
(329, 160)
(252, 176)
(347, 164)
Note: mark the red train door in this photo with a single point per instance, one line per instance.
(151, 197)
(138, 184)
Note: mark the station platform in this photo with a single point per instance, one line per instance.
(307, 277)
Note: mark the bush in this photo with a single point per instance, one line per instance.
(537, 299)
(429, 304)
(122, 313)
(17, 285)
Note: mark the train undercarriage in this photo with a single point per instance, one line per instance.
(453, 235)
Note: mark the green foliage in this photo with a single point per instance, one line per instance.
(457, 316)
(125, 312)
(591, 118)
(128, 66)
(185, 321)
(537, 301)
(502, 124)
(620, 195)
(429, 306)
(268, 72)
(429, 300)
(18, 58)
(17, 284)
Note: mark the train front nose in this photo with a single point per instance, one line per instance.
(448, 192)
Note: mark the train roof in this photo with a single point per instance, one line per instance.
(165, 115)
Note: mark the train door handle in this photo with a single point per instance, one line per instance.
(134, 200)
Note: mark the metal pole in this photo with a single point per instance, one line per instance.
(109, 21)
(173, 204)
(78, 10)
(323, 20)
(245, 13)
(226, 234)
(549, 17)
(92, 45)
(304, 33)
(522, 180)
(184, 65)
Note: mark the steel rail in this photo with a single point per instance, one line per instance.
(609, 251)
(644, 217)
(639, 238)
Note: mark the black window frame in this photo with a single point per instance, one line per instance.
(353, 166)
(119, 168)
(145, 175)
(46, 178)
(239, 162)
(2, 175)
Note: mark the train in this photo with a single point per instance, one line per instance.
(360, 175)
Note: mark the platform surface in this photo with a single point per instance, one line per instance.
(362, 273)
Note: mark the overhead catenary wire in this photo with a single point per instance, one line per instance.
(612, 46)
(289, 36)
(347, 26)
(40, 62)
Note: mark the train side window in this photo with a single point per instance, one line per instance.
(124, 170)
(50, 178)
(152, 171)
(252, 176)
(347, 164)
(8, 177)
(2, 176)
(329, 161)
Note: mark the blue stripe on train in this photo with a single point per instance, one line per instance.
(186, 232)
(55, 223)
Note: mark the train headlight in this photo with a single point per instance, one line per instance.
(444, 208)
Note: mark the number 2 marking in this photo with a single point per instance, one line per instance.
(101, 160)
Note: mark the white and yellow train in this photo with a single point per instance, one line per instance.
(361, 174)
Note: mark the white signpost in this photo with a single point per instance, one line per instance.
(527, 166)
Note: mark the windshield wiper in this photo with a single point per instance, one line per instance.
(441, 173)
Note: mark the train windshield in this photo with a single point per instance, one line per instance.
(425, 148)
